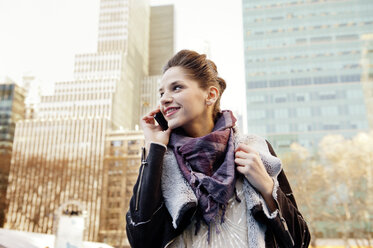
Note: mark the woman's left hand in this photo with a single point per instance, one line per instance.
(250, 164)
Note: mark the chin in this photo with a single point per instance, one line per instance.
(173, 124)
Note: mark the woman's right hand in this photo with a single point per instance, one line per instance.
(152, 131)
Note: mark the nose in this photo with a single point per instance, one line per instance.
(166, 99)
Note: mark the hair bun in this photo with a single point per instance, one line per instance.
(222, 84)
(212, 65)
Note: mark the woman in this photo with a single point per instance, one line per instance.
(201, 184)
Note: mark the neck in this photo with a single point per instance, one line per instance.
(199, 130)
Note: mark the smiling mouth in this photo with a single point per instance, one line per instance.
(171, 111)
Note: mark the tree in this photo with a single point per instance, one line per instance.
(333, 187)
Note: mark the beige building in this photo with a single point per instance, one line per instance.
(55, 161)
(161, 49)
(121, 165)
(79, 98)
(59, 157)
(161, 42)
(121, 58)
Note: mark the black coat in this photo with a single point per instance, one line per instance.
(149, 223)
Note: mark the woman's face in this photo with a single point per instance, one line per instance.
(183, 102)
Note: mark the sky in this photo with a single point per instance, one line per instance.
(41, 37)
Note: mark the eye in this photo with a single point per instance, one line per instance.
(177, 87)
(161, 94)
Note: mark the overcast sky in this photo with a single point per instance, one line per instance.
(41, 37)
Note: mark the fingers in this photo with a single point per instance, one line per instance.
(149, 117)
(244, 151)
(242, 161)
(151, 113)
(245, 148)
(246, 155)
(242, 169)
(245, 158)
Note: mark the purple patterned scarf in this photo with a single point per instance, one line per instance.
(207, 163)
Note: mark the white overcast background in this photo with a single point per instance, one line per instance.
(41, 37)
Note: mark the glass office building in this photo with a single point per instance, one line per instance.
(12, 109)
(304, 76)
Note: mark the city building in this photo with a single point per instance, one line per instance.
(367, 63)
(161, 41)
(121, 167)
(303, 69)
(59, 156)
(12, 109)
(150, 93)
(120, 63)
(161, 49)
(32, 88)
(54, 161)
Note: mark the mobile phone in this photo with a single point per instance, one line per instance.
(161, 120)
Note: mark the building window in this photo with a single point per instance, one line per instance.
(354, 94)
(330, 127)
(329, 110)
(282, 128)
(257, 84)
(350, 78)
(116, 143)
(301, 81)
(356, 110)
(327, 95)
(281, 113)
(256, 99)
(280, 99)
(303, 112)
(304, 127)
(256, 114)
(279, 83)
(259, 129)
(325, 80)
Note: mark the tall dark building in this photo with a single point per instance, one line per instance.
(12, 109)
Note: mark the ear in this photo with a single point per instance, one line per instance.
(212, 95)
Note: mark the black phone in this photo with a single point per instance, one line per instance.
(161, 120)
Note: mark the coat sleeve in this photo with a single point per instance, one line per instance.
(147, 215)
(288, 227)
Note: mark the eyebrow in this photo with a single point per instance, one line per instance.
(171, 84)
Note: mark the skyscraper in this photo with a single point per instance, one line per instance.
(12, 109)
(161, 49)
(303, 68)
(59, 156)
(367, 64)
(32, 88)
(122, 150)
